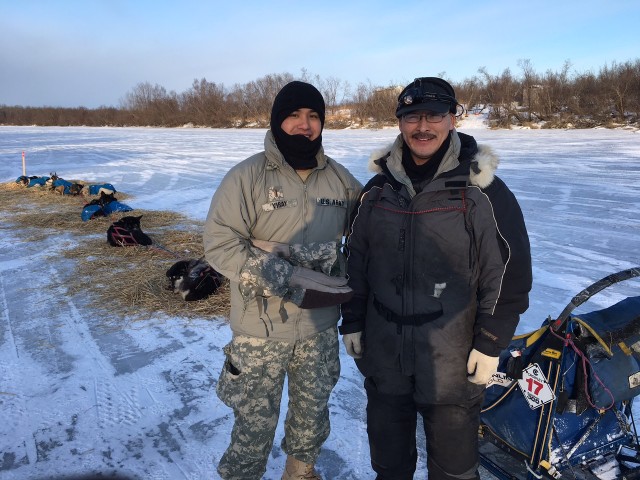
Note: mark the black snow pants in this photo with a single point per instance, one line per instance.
(451, 433)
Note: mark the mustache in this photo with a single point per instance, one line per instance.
(423, 136)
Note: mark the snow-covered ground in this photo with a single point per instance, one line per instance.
(140, 400)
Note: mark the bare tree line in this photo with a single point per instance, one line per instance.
(553, 99)
(557, 99)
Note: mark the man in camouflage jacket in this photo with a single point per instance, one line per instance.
(275, 229)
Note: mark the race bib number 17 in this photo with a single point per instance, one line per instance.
(534, 386)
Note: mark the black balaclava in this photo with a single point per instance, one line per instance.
(298, 150)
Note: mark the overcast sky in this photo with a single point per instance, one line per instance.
(90, 53)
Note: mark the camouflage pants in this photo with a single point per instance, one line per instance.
(251, 384)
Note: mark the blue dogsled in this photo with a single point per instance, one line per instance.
(561, 403)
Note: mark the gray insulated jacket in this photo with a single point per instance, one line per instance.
(439, 272)
(264, 198)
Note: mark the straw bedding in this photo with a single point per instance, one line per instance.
(119, 281)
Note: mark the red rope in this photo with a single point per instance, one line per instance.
(585, 361)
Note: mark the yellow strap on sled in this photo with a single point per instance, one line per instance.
(625, 348)
(595, 335)
(533, 336)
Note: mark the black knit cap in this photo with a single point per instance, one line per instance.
(427, 93)
(295, 95)
(297, 150)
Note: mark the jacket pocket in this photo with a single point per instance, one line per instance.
(231, 385)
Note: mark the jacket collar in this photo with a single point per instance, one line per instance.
(483, 162)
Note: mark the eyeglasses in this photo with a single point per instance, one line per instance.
(430, 117)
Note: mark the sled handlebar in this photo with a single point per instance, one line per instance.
(591, 290)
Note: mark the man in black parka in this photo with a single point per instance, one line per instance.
(440, 264)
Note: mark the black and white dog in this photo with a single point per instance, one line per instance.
(194, 279)
(127, 232)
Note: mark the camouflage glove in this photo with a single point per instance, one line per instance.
(264, 275)
(481, 367)
(353, 344)
(311, 289)
(324, 256)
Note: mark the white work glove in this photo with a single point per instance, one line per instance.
(276, 248)
(353, 344)
(316, 290)
(481, 367)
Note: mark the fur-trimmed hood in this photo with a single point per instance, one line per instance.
(484, 161)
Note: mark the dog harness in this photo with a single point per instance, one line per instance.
(123, 236)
